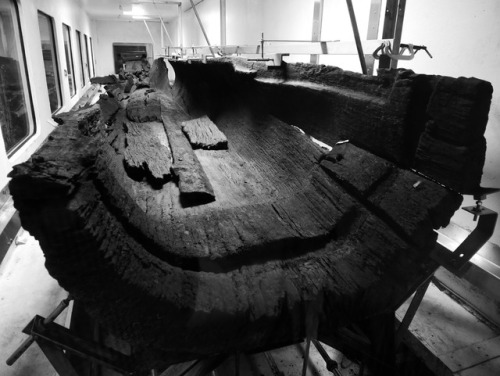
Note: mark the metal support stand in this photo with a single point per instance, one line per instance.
(202, 28)
(29, 341)
(456, 261)
(57, 343)
(355, 30)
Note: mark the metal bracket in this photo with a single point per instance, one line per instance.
(386, 49)
(456, 261)
(56, 342)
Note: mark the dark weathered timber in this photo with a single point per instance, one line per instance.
(129, 86)
(204, 134)
(144, 105)
(108, 106)
(147, 153)
(111, 79)
(85, 119)
(158, 76)
(194, 185)
(416, 121)
(452, 147)
(292, 224)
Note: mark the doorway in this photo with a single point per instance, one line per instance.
(124, 53)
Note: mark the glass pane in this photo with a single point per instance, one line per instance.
(69, 60)
(80, 53)
(92, 56)
(16, 116)
(88, 55)
(46, 25)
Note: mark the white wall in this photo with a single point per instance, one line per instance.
(109, 32)
(464, 38)
(71, 13)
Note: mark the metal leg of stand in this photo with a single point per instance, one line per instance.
(29, 341)
(202, 367)
(412, 310)
(272, 364)
(306, 357)
(57, 358)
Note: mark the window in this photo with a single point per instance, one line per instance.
(79, 42)
(69, 60)
(92, 56)
(16, 114)
(46, 25)
(88, 54)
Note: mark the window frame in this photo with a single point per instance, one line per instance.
(69, 59)
(56, 59)
(78, 34)
(88, 47)
(23, 67)
(92, 55)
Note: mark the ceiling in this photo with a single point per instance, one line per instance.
(148, 9)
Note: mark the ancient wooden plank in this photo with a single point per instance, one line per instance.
(459, 109)
(457, 166)
(110, 79)
(194, 184)
(147, 153)
(409, 202)
(415, 205)
(203, 133)
(109, 107)
(143, 106)
(85, 119)
(343, 163)
(452, 148)
(54, 171)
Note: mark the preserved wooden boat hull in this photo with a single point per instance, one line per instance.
(190, 253)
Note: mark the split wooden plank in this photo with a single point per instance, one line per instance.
(411, 203)
(147, 153)
(65, 158)
(194, 184)
(204, 134)
(343, 162)
(144, 105)
(86, 119)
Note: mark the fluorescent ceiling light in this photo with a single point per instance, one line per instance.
(136, 10)
(141, 17)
